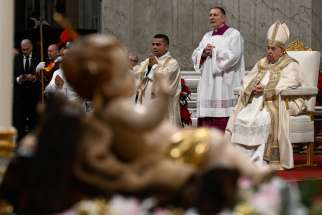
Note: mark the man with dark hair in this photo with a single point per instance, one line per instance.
(220, 60)
(164, 37)
(159, 61)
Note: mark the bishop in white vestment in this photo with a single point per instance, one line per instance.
(220, 60)
(258, 126)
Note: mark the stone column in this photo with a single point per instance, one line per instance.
(6, 62)
(7, 132)
(317, 23)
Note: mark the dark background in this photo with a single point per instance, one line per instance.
(84, 16)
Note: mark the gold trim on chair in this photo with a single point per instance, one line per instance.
(312, 115)
(286, 102)
(297, 45)
(310, 154)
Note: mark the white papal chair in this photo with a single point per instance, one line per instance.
(302, 126)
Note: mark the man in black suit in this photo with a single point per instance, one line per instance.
(26, 89)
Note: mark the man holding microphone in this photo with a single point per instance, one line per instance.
(160, 61)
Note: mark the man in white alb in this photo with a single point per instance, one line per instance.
(258, 126)
(220, 59)
(161, 61)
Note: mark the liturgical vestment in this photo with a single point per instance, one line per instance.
(259, 124)
(145, 88)
(220, 74)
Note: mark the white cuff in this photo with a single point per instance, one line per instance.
(18, 80)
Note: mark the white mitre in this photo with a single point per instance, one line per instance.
(278, 33)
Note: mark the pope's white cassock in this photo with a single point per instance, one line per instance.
(259, 125)
(220, 74)
(145, 89)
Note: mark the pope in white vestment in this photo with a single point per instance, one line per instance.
(258, 126)
(220, 60)
(160, 61)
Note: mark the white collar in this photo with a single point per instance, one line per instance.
(167, 54)
(29, 56)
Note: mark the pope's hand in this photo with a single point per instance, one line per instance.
(258, 89)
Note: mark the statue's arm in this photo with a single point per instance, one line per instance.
(137, 117)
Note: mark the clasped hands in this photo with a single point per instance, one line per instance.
(59, 82)
(258, 89)
(161, 85)
(152, 60)
(26, 77)
(207, 51)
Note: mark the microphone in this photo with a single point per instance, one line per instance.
(59, 59)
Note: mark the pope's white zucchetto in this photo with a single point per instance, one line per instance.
(278, 33)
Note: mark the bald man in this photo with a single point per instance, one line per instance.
(26, 89)
(52, 53)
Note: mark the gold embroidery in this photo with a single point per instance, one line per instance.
(263, 66)
(247, 94)
(271, 153)
(145, 80)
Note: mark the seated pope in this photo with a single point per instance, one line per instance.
(258, 126)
